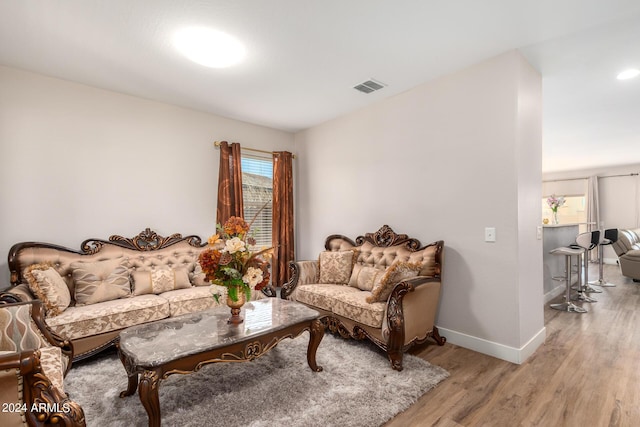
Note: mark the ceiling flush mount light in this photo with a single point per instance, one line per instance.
(209, 47)
(629, 74)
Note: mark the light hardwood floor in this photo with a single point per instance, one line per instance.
(586, 374)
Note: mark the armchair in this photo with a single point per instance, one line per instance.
(384, 287)
(33, 363)
(627, 247)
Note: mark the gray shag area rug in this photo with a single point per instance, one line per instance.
(356, 388)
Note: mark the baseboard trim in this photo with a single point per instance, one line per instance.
(558, 290)
(490, 348)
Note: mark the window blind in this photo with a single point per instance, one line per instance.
(257, 190)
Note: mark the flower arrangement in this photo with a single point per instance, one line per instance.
(230, 260)
(555, 202)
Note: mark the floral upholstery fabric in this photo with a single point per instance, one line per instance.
(354, 306)
(18, 331)
(309, 272)
(345, 301)
(82, 321)
(335, 266)
(53, 366)
(183, 301)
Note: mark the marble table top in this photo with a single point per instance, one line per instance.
(156, 343)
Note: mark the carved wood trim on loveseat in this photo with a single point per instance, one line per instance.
(394, 344)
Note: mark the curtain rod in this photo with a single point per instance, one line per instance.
(217, 144)
(604, 176)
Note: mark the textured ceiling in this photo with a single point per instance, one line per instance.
(304, 57)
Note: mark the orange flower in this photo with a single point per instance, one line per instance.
(213, 239)
(235, 225)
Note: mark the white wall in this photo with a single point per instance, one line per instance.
(444, 161)
(619, 195)
(79, 162)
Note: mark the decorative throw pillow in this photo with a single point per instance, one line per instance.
(100, 281)
(335, 266)
(396, 272)
(47, 284)
(160, 280)
(365, 277)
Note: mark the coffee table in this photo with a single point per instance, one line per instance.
(184, 344)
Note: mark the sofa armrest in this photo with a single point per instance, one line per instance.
(633, 254)
(22, 372)
(19, 293)
(302, 273)
(630, 264)
(411, 312)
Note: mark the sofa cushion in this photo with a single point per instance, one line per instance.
(101, 281)
(197, 298)
(83, 321)
(354, 306)
(365, 277)
(397, 272)
(345, 301)
(47, 284)
(336, 266)
(160, 280)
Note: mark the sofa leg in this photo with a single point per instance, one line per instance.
(436, 336)
(396, 360)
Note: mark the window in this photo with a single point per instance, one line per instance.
(257, 190)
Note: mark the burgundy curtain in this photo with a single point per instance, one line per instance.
(282, 229)
(229, 183)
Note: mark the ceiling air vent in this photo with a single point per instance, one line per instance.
(369, 86)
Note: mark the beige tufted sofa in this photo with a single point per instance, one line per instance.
(397, 322)
(627, 247)
(94, 327)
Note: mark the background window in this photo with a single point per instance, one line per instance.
(257, 189)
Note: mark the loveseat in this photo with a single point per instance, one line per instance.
(92, 294)
(627, 247)
(384, 287)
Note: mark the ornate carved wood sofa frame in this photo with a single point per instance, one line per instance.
(94, 327)
(405, 319)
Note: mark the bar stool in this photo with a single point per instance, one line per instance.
(609, 238)
(567, 305)
(586, 241)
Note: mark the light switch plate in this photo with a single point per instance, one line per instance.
(490, 234)
(539, 232)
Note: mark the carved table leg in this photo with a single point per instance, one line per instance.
(316, 333)
(148, 390)
(132, 385)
